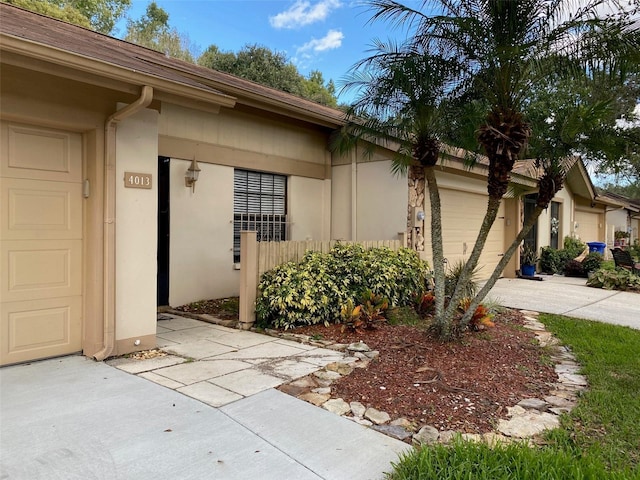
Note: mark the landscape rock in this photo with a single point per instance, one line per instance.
(572, 379)
(339, 367)
(337, 406)
(447, 436)
(293, 390)
(358, 347)
(322, 390)
(376, 416)
(472, 437)
(558, 401)
(316, 399)
(361, 421)
(567, 368)
(533, 404)
(492, 439)
(517, 410)
(326, 376)
(404, 423)
(426, 435)
(357, 409)
(340, 347)
(394, 431)
(527, 424)
(372, 354)
(304, 382)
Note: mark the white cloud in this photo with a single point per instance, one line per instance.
(331, 41)
(303, 13)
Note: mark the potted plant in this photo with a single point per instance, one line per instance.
(528, 260)
(620, 238)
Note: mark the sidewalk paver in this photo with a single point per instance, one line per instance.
(218, 365)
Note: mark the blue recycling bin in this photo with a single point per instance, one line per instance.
(597, 247)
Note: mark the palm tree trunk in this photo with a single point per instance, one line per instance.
(515, 245)
(490, 216)
(437, 249)
(416, 200)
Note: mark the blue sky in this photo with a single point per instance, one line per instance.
(325, 35)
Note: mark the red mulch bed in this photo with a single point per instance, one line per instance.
(464, 385)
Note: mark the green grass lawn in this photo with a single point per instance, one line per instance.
(600, 439)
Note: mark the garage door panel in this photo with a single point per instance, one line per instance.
(40, 269)
(462, 215)
(36, 209)
(39, 329)
(41, 244)
(41, 153)
(587, 226)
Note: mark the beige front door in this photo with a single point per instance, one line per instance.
(40, 242)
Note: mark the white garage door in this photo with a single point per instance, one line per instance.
(588, 226)
(41, 243)
(462, 214)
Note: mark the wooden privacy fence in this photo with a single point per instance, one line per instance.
(259, 257)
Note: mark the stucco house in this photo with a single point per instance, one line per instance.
(623, 215)
(101, 220)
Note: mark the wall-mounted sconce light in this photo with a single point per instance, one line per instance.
(191, 177)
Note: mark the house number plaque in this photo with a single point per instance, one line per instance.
(137, 180)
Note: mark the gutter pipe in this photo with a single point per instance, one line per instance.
(109, 239)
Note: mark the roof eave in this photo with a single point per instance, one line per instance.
(115, 73)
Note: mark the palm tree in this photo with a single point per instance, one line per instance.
(490, 54)
(399, 105)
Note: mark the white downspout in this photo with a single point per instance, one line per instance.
(109, 241)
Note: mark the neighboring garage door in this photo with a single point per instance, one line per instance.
(41, 243)
(462, 214)
(588, 226)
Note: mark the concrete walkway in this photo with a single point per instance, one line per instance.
(219, 365)
(73, 418)
(569, 296)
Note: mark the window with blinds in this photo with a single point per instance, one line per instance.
(259, 204)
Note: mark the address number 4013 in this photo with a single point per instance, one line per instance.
(137, 180)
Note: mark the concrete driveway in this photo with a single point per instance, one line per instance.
(73, 418)
(569, 296)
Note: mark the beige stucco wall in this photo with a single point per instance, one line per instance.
(341, 202)
(201, 239)
(566, 227)
(381, 200)
(617, 220)
(239, 139)
(368, 201)
(309, 210)
(136, 227)
(201, 235)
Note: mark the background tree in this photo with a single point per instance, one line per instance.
(99, 15)
(261, 65)
(152, 30)
(502, 50)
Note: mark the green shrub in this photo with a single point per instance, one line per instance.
(592, 262)
(453, 276)
(573, 247)
(551, 260)
(314, 290)
(634, 250)
(618, 279)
